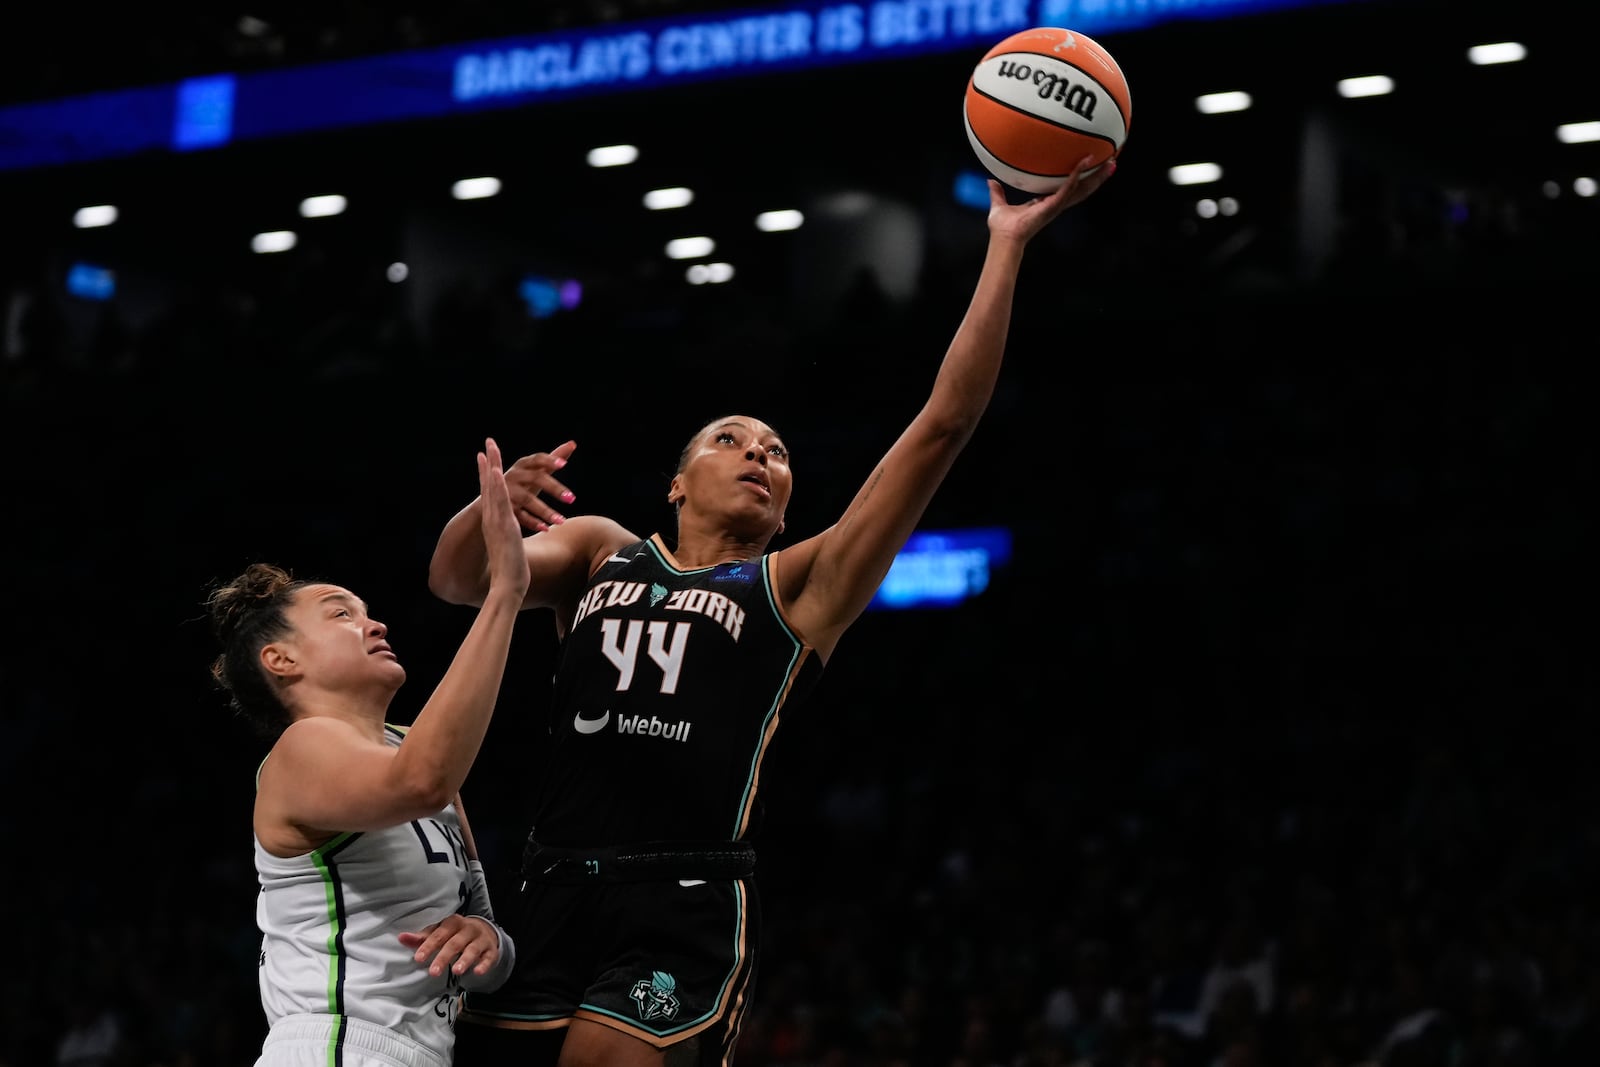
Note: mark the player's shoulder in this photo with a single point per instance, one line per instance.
(599, 530)
(318, 731)
(593, 537)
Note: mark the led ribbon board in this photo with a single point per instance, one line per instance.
(218, 109)
(942, 568)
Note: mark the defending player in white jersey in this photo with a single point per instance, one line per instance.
(374, 911)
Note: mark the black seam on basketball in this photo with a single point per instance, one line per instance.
(1011, 166)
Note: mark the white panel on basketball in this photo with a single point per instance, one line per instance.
(1017, 179)
(1053, 90)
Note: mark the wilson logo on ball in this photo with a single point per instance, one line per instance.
(1071, 95)
(1040, 101)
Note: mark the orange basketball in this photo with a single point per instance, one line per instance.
(1041, 100)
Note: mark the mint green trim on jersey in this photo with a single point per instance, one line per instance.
(330, 889)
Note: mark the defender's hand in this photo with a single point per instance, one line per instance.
(458, 942)
(502, 537)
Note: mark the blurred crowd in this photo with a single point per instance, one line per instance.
(1316, 889)
(1261, 752)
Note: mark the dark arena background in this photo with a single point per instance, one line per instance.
(1260, 745)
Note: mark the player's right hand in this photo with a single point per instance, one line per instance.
(533, 476)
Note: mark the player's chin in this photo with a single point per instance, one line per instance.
(754, 524)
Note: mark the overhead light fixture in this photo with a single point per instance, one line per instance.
(615, 155)
(775, 221)
(475, 188)
(99, 215)
(1500, 52)
(665, 199)
(316, 207)
(273, 241)
(709, 273)
(690, 247)
(1368, 85)
(1219, 103)
(1578, 132)
(1194, 173)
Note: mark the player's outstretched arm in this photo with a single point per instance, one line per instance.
(829, 579)
(325, 774)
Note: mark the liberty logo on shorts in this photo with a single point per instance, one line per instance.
(656, 996)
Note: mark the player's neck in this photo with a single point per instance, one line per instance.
(695, 550)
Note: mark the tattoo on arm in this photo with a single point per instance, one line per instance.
(860, 501)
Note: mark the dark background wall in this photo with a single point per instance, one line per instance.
(1268, 746)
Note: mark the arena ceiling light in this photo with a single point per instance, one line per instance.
(1500, 52)
(86, 218)
(690, 247)
(709, 273)
(475, 188)
(1220, 103)
(1366, 85)
(273, 241)
(1578, 132)
(775, 221)
(614, 155)
(1208, 208)
(665, 199)
(1194, 173)
(316, 207)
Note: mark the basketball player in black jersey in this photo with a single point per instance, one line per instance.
(638, 918)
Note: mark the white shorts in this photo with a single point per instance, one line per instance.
(306, 1041)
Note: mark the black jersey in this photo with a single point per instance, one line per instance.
(669, 687)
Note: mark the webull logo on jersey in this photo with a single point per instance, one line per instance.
(653, 727)
(656, 996)
(638, 725)
(712, 605)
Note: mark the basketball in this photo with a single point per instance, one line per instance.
(1041, 100)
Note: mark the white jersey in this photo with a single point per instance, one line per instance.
(330, 922)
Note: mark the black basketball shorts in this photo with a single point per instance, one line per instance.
(664, 960)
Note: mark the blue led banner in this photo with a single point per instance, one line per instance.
(211, 111)
(942, 568)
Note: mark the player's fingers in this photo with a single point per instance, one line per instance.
(488, 956)
(539, 516)
(551, 487)
(430, 946)
(1088, 183)
(457, 952)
